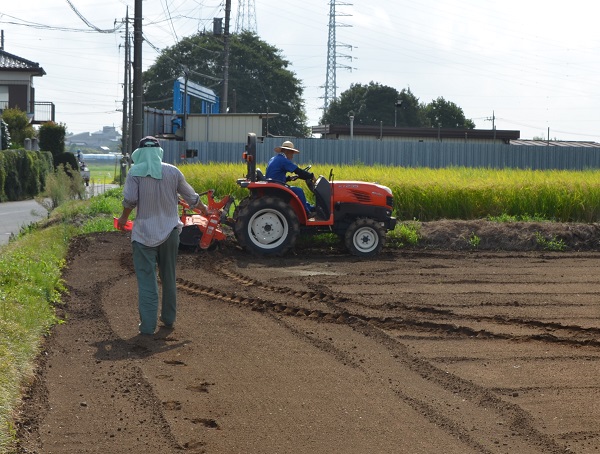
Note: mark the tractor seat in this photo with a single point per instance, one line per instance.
(259, 175)
(323, 196)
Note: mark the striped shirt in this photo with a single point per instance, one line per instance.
(156, 206)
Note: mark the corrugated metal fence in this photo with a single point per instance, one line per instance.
(405, 154)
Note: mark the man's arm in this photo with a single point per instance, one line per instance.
(187, 192)
(303, 174)
(124, 218)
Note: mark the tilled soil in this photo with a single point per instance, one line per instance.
(443, 348)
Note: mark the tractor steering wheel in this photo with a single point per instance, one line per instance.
(310, 184)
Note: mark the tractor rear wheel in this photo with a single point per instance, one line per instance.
(365, 237)
(267, 226)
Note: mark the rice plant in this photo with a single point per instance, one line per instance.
(450, 193)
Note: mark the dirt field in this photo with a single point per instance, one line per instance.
(433, 349)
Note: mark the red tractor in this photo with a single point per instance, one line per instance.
(270, 219)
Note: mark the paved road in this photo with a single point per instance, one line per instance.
(14, 215)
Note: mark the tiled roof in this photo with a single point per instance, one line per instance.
(10, 62)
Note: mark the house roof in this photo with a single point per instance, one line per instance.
(555, 143)
(444, 133)
(10, 62)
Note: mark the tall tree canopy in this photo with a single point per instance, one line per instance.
(446, 114)
(369, 104)
(374, 103)
(259, 78)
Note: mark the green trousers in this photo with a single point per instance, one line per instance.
(145, 261)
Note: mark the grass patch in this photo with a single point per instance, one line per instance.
(550, 244)
(518, 218)
(473, 241)
(30, 283)
(31, 267)
(405, 234)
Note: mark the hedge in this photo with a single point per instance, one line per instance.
(23, 173)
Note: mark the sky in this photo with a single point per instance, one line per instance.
(527, 65)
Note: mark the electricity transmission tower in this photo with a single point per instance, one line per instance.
(332, 54)
(246, 16)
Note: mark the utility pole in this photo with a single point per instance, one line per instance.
(226, 62)
(493, 120)
(138, 118)
(125, 126)
(126, 100)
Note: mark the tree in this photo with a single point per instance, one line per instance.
(19, 127)
(369, 104)
(259, 78)
(446, 114)
(409, 112)
(374, 103)
(52, 138)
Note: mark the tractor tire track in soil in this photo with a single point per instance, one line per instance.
(419, 351)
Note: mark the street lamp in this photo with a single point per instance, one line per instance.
(398, 104)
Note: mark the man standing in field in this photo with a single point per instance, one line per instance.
(152, 188)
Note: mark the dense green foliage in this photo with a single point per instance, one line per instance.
(52, 137)
(63, 184)
(19, 127)
(259, 78)
(66, 159)
(445, 114)
(23, 173)
(373, 103)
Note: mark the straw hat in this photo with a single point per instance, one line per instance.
(287, 145)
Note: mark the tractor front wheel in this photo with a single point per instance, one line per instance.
(365, 237)
(267, 226)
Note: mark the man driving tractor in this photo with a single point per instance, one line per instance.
(282, 163)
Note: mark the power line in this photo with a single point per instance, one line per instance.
(38, 26)
(89, 24)
(171, 22)
(178, 63)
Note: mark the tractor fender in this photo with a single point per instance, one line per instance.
(270, 188)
